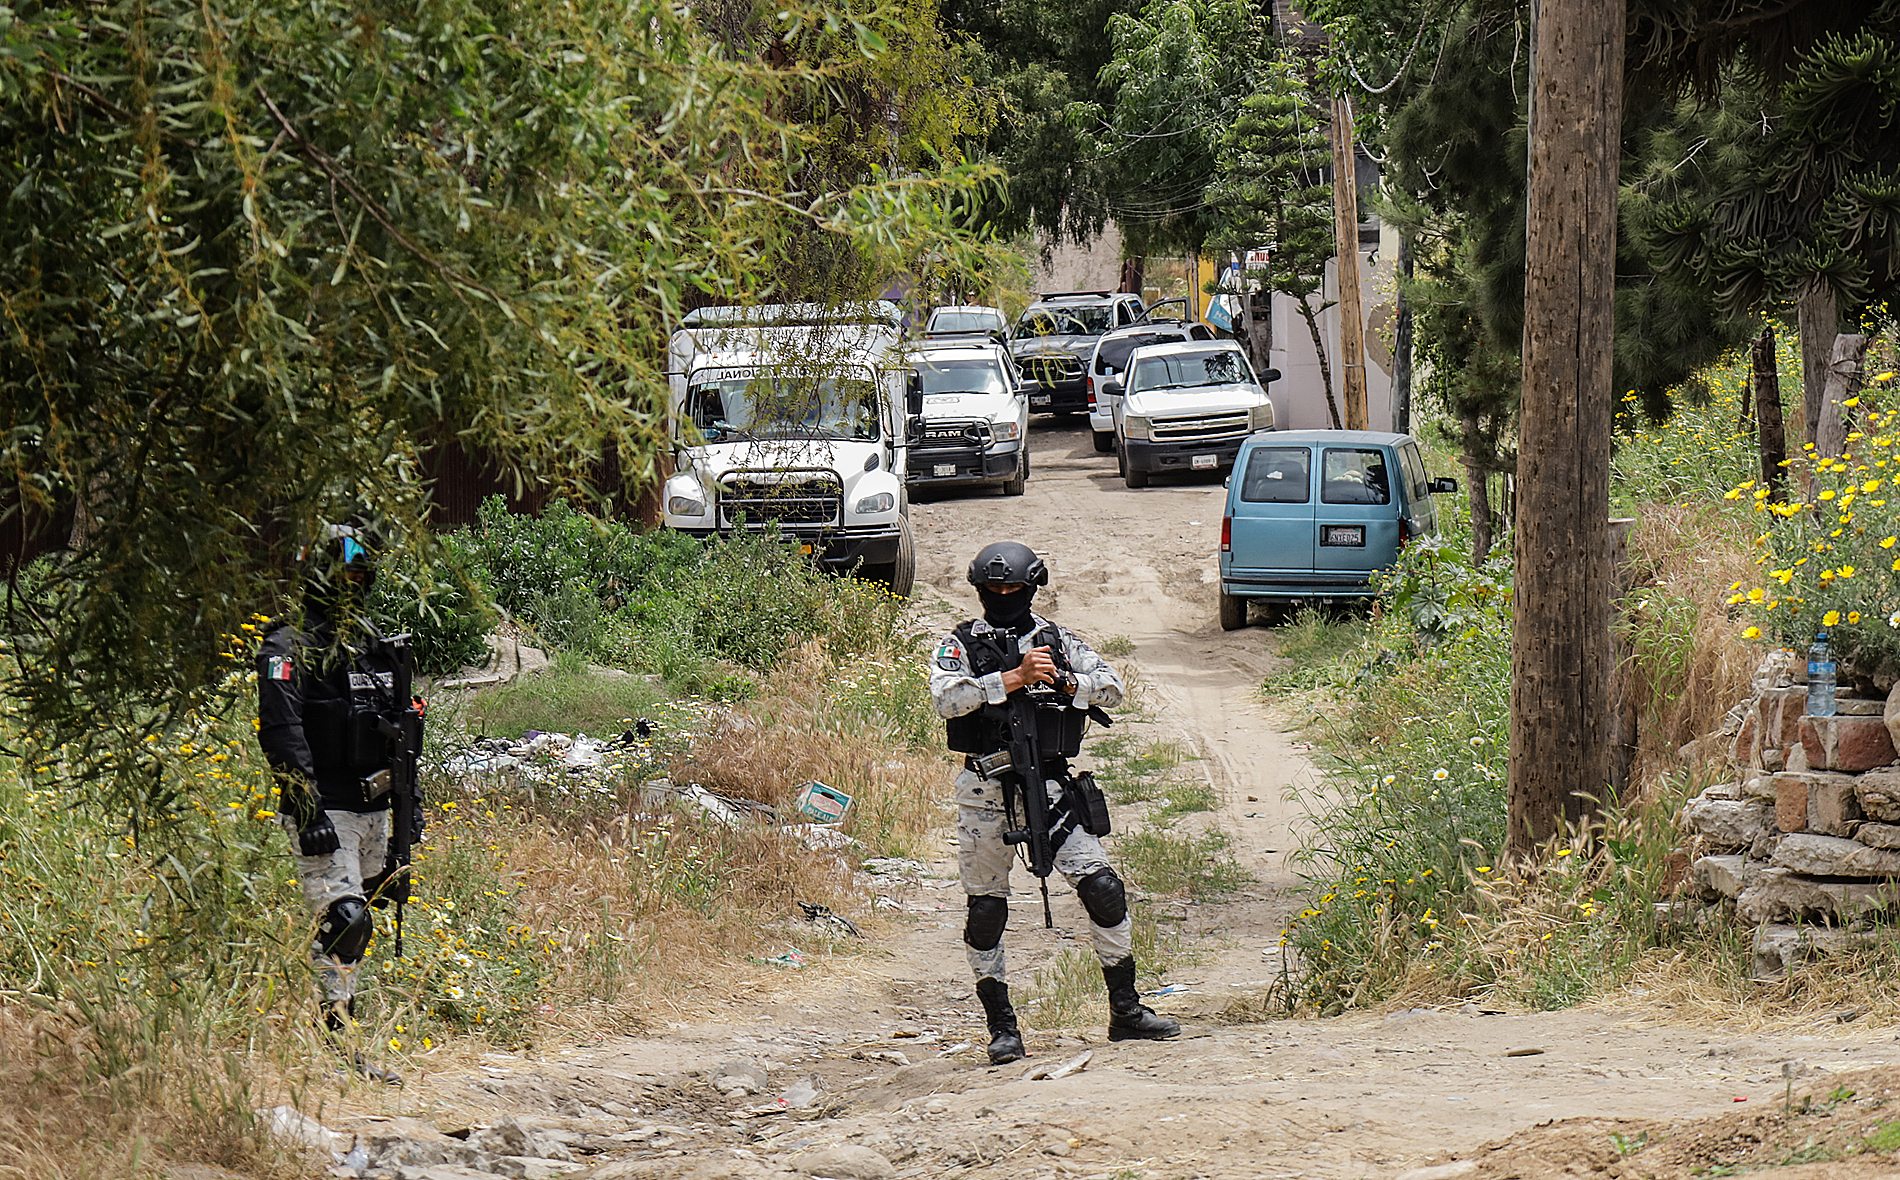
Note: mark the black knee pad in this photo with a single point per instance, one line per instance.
(1102, 896)
(983, 928)
(344, 932)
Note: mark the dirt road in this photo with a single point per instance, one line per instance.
(874, 1065)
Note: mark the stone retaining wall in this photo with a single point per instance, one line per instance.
(1804, 840)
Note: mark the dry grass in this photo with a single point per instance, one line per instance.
(1691, 666)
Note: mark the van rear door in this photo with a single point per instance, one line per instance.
(1356, 522)
(1271, 506)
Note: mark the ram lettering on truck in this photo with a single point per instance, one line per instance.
(796, 417)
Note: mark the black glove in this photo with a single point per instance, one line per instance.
(317, 837)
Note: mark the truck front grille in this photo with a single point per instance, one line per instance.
(938, 435)
(1049, 370)
(1201, 427)
(807, 500)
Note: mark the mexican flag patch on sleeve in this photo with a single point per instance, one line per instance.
(277, 668)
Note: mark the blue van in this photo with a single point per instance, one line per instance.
(1312, 514)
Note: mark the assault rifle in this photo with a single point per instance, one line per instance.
(1019, 768)
(404, 735)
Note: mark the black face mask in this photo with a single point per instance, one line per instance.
(1010, 611)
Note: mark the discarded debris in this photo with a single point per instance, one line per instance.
(821, 915)
(1046, 1072)
(788, 959)
(826, 804)
(894, 866)
(821, 836)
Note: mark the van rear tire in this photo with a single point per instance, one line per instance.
(1233, 612)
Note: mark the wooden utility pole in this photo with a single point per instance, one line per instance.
(1773, 443)
(1560, 714)
(1352, 319)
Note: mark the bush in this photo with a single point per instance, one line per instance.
(1830, 555)
(445, 610)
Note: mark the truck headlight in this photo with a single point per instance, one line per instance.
(685, 506)
(1135, 426)
(1260, 417)
(1006, 431)
(882, 502)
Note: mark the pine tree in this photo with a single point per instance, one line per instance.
(1272, 194)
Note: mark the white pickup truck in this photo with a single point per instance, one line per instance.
(1187, 407)
(799, 416)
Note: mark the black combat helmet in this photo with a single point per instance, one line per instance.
(340, 564)
(1008, 563)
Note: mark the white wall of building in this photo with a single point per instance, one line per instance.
(1299, 397)
(1096, 266)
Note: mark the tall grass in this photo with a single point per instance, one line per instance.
(1405, 892)
(154, 982)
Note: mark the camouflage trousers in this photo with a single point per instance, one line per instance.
(983, 863)
(362, 845)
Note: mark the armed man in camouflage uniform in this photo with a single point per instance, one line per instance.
(983, 662)
(321, 691)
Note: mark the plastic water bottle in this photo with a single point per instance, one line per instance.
(1821, 677)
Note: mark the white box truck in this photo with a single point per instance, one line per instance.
(797, 416)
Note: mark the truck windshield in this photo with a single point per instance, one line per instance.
(1064, 321)
(1183, 370)
(950, 319)
(1112, 355)
(782, 403)
(964, 376)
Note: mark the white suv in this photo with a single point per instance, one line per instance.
(1187, 407)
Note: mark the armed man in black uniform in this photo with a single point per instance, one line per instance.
(978, 668)
(326, 696)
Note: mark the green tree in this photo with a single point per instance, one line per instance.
(255, 254)
(1179, 71)
(1272, 193)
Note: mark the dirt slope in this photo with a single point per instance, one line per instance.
(888, 1045)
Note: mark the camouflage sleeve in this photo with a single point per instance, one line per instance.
(280, 681)
(1096, 682)
(954, 686)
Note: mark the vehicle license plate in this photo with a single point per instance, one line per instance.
(1040, 399)
(944, 469)
(1205, 462)
(1353, 535)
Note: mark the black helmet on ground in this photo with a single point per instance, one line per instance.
(1008, 563)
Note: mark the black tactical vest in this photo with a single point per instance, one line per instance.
(993, 650)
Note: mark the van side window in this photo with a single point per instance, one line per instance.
(1417, 487)
(1354, 476)
(1278, 475)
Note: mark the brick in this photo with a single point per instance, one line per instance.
(1781, 711)
(1878, 835)
(1847, 744)
(1833, 809)
(1724, 876)
(1860, 707)
(1758, 786)
(1791, 803)
(1892, 715)
(1780, 947)
(1831, 856)
(1777, 895)
(1797, 758)
(1747, 748)
(1879, 793)
(1726, 824)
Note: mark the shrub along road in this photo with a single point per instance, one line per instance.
(871, 1064)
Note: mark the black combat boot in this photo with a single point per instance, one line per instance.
(1006, 1042)
(1128, 1018)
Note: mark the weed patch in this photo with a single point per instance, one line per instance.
(1165, 862)
(1133, 770)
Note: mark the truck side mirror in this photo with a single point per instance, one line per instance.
(914, 394)
(1269, 377)
(1443, 483)
(913, 430)
(1112, 389)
